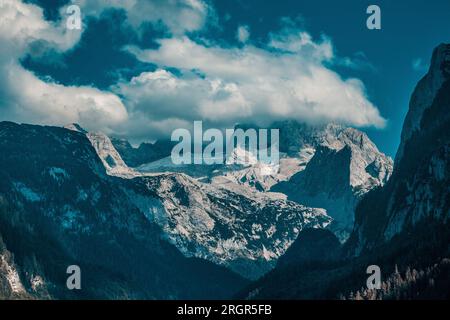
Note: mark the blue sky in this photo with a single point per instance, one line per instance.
(143, 71)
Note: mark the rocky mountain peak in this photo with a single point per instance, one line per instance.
(440, 60)
(424, 94)
(418, 190)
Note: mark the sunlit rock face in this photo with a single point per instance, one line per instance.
(342, 165)
(326, 166)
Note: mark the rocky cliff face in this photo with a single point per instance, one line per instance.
(424, 94)
(70, 194)
(245, 231)
(324, 166)
(401, 227)
(344, 166)
(419, 188)
(59, 207)
(144, 153)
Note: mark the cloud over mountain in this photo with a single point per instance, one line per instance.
(286, 77)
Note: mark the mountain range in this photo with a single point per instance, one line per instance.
(141, 227)
(402, 227)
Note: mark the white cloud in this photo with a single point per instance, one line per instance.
(243, 34)
(179, 16)
(285, 80)
(301, 42)
(34, 100)
(21, 24)
(25, 97)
